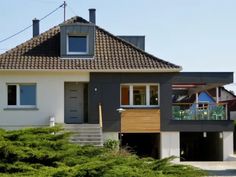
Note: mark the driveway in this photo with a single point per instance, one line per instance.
(220, 169)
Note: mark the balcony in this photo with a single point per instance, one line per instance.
(199, 111)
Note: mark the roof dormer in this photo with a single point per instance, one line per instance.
(77, 40)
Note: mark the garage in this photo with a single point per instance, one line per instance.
(142, 144)
(201, 146)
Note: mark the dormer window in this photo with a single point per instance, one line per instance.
(77, 41)
(77, 44)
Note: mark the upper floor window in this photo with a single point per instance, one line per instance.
(77, 45)
(77, 41)
(21, 95)
(140, 95)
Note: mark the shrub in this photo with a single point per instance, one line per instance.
(39, 153)
(111, 144)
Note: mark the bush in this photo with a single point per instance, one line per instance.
(111, 144)
(39, 153)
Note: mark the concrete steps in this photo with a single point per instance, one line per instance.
(85, 134)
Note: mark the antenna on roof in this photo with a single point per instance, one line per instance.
(64, 6)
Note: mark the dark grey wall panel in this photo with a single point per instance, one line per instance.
(204, 77)
(108, 93)
(138, 41)
(198, 125)
(165, 103)
(94, 98)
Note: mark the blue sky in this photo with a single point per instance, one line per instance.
(199, 35)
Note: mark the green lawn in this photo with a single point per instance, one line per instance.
(40, 153)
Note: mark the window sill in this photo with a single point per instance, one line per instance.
(77, 53)
(21, 109)
(140, 107)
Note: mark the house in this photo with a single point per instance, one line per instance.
(226, 96)
(107, 87)
(199, 106)
(223, 94)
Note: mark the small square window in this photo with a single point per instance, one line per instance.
(77, 44)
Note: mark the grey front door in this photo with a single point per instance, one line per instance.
(74, 106)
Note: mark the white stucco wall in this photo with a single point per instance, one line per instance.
(225, 96)
(170, 144)
(49, 99)
(228, 145)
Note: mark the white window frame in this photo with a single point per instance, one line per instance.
(18, 96)
(131, 103)
(77, 53)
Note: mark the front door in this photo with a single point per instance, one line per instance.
(74, 106)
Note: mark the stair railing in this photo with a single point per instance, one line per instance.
(100, 115)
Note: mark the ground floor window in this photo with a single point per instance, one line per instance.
(21, 95)
(135, 95)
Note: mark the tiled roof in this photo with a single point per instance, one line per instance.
(111, 54)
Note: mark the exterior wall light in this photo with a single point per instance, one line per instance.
(120, 110)
(221, 135)
(204, 134)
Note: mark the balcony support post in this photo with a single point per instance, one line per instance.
(217, 95)
(196, 100)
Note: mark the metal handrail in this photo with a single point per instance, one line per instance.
(100, 115)
(200, 103)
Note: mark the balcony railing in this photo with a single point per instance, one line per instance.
(199, 111)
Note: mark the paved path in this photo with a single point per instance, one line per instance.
(216, 169)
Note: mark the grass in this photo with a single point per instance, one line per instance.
(40, 153)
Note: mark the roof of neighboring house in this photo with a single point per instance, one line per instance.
(213, 92)
(184, 99)
(231, 104)
(192, 98)
(111, 54)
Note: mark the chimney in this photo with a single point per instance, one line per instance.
(35, 27)
(92, 16)
(138, 41)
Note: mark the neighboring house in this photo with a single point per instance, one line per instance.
(91, 80)
(223, 94)
(228, 97)
(200, 106)
(231, 105)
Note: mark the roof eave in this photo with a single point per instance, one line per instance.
(96, 70)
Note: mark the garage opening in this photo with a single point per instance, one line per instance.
(201, 146)
(142, 144)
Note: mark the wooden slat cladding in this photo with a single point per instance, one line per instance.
(140, 121)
